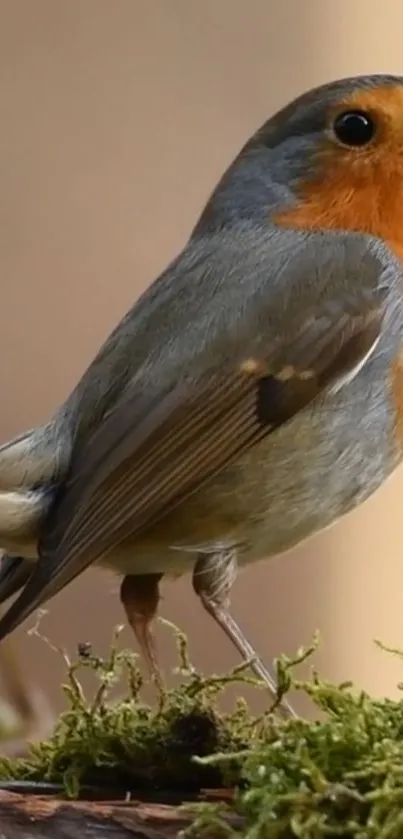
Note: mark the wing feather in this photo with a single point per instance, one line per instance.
(156, 447)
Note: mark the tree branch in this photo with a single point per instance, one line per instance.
(32, 817)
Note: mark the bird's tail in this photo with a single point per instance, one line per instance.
(30, 465)
(15, 571)
(32, 459)
(21, 514)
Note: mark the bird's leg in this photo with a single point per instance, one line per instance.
(140, 597)
(35, 718)
(213, 576)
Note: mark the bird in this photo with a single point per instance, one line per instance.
(253, 394)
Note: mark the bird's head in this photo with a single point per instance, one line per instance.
(333, 158)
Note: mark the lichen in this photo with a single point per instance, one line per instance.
(341, 775)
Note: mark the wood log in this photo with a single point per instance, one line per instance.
(34, 817)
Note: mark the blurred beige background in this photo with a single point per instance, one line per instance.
(117, 118)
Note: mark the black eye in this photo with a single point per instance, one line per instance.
(354, 128)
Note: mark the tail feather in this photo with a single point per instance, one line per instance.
(21, 516)
(14, 573)
(30, 467)
(32, 459)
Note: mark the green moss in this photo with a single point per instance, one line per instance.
(340, 776)
(131, 745)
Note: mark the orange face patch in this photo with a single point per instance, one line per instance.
(357, 189)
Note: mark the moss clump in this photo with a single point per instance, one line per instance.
(128, 745)
(340, 776)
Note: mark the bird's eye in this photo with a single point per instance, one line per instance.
(354, 128)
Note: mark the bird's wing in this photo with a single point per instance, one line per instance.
(157, 447)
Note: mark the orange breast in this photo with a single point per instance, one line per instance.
(361, 191)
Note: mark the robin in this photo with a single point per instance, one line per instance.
(254, 393)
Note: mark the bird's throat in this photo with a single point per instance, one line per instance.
(375, 208)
